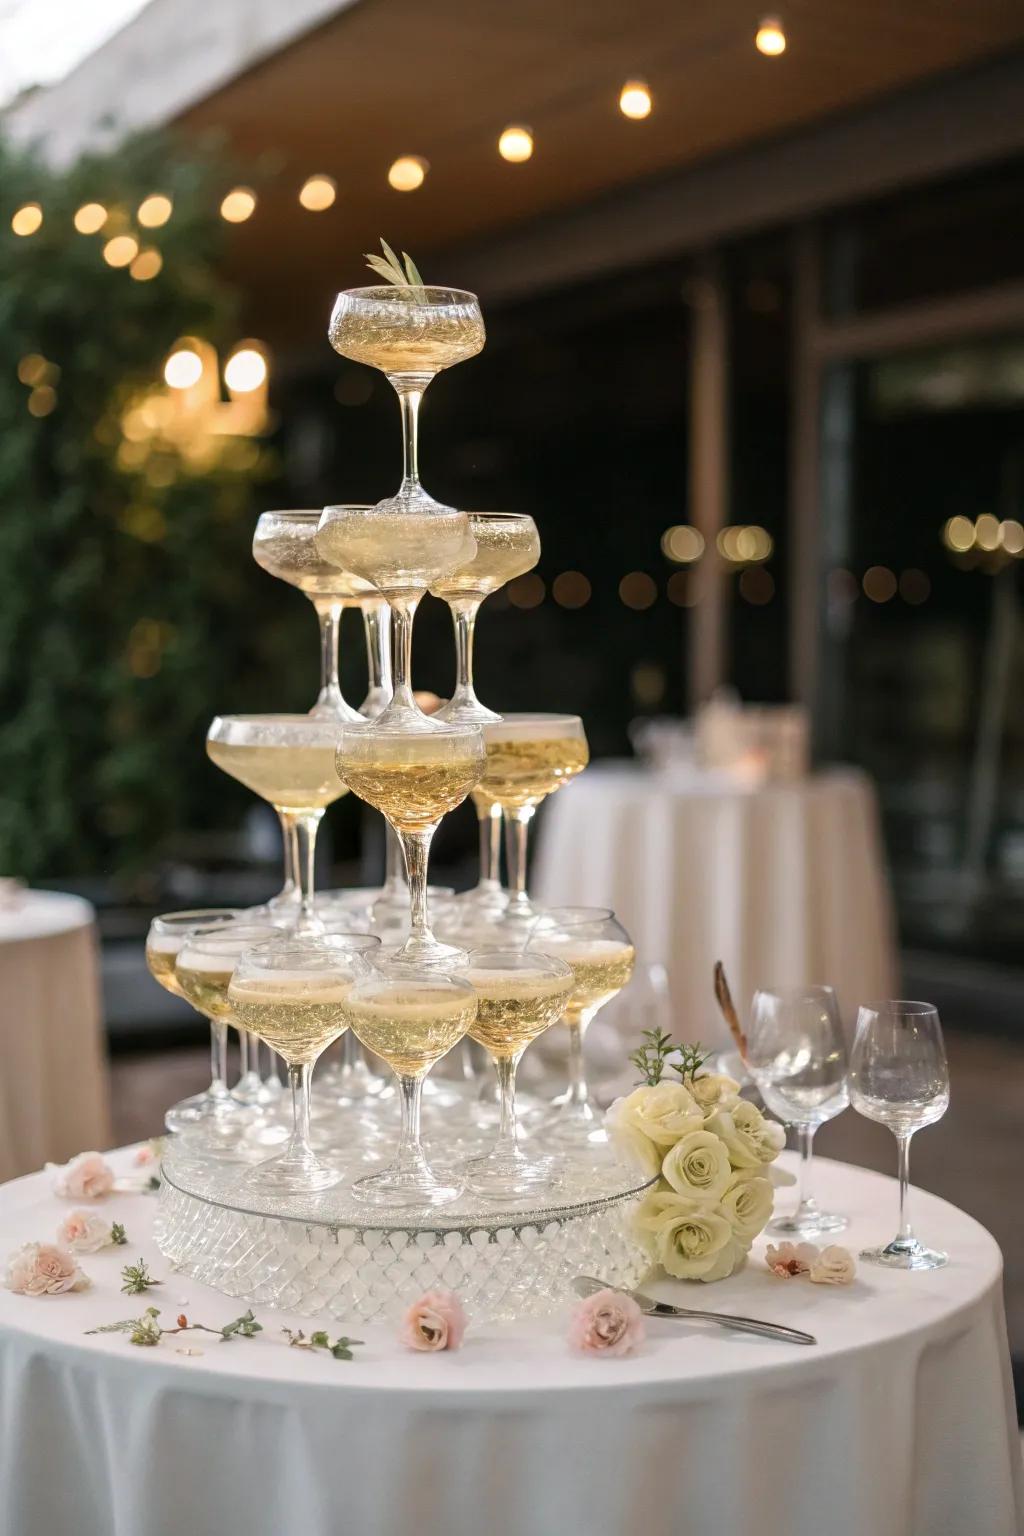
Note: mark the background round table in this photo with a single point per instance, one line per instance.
(899, 1423)
(785, 884)
(53, 1087)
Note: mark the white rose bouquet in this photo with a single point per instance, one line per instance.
(711, 1151)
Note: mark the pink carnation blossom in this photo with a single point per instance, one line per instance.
(43, 1269)
(790, 1259)
(607, 1323)
(436, 1321)
(84, 1232)
(87, 1177)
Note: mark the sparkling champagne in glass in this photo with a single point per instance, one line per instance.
(164, 942)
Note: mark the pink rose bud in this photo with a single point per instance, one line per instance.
(436, 1321)
(607, 1323)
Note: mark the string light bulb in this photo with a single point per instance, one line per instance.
(238, 205)
(407, 173)
(121, 251)
(27, 219)
(318, 193)
(515, 144)
(90, 218)
(183, 369)
(635, 100)
(245, 370)
(146, 265)
(154, 210)
(770, 38)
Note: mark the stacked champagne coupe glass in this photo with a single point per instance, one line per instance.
(300, 974)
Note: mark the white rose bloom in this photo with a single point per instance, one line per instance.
(650, 1119)
(751, 1139)
(713, 1090)
(747, 1203)
(833, 1266)
(731, 1258)
(686, 1236)
(633, 1147)
(698, 1166)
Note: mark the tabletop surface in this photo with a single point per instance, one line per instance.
(41, 914)
(678, 1358)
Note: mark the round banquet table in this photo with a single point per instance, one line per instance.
(53, 1087)
(899, 1422)
(785, 884)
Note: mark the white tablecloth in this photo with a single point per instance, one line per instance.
(53, 1080)
(784, 884)
(898, 1423)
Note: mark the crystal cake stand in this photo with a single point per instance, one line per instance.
(328, 1255)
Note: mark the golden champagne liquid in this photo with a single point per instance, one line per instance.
(296, 1015)
(296, 778)
(206, 987)
(396, 550)
(504, 549)
(161, 957)
(409, 338)
(411, 779)
(600, 968)
(289, 552)
(411, 1027)
(522, 771)
(514, 1007)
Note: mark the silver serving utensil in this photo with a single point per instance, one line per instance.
(586, 1285)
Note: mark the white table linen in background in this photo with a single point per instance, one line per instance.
(899, 1423)
(53, 1082)
(784, 884)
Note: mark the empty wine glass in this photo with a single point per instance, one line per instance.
(519, 995)
(289, 992)
(899, 1076)
(410, 1018)
(796, 1054)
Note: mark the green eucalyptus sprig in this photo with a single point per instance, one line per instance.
(341, 1348)
(118, 1235)
(137, 1279)
(402, 273)
(145, 1330)
(652, 1059)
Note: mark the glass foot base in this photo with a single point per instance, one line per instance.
(902, 1253)
(808, 1223)
(190, 1112)
(282, 1176)
(500, 1178)
(428, 954)
(407, 1190)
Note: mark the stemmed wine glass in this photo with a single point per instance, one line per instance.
(410, 331)
(601, 956)
(285, 545)
(289, 761)
(164, 942)
(899, 1076)
(519, 995)
(529, 756)
(203, 970)
(410, 1018)
(414, 780)
(290, 992)
(507, 545)
(796, 1054)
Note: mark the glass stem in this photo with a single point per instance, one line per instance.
(307, 824)
(517, 827)
(464, 612)
(416, 852)
(378, 656)
(805, 1134)
(410, 388)
(507, 1145)
(243, 1055)
(403, 611)
(218, 1059)
(329, 614)
(490, 847)
(409, 1157)
(299, 1146)
(578, 1092)
(289, 850)
(906, 1232)
(394, 862)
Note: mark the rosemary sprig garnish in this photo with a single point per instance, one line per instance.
(392, 270)
(652, 1059)
(137, 1279)
(341, 1349)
